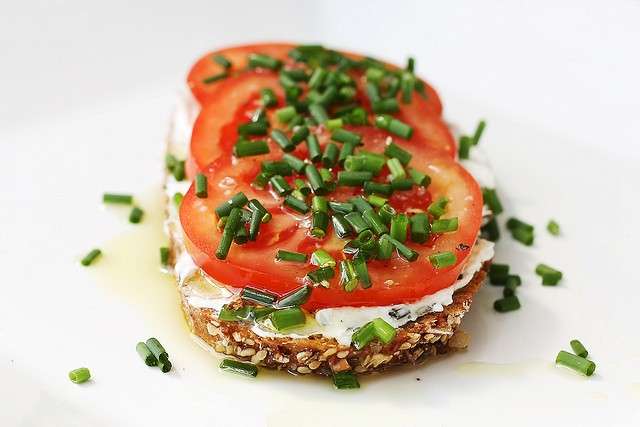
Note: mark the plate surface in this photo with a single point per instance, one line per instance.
(86, 101)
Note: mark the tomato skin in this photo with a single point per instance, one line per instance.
(237, 55)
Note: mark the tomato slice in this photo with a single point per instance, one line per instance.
(394, 281)
(206, 67)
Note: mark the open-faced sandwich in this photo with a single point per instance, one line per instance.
(319, 219)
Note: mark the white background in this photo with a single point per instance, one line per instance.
(86, 91)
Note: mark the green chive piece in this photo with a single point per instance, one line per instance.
(523, 236)
(577, 363)
(280, 185)
(246, 148)
(371, 187)
(492, 201)
(281, 139)
(222, 61)
(506, 304)
(260, 116)
(330, 155)
(300, 134)
(464, 147)
(442, 259)
(395, 151)
(377, 328)
(261, 180)
(258, 296)
(157, 349)
(241, 314)
(145, 354)
(177, 199)
(90, 257)
(165, 365)
(241, 368)
(490, 230)
(411, 63)
(360, 204)
(478, 133)
(164, 256)
(215, 78)
(255, 205)
(387, 212)
(403, 250)
(295, 163)
(364, 335)
(321, 258)
(314, 148)
(328, 96)
(345, 136)
(511, 284)
(341, 207)
(376, 201)
(384, 331)
(242, 236)
(170, 161)
(253, 128)
(287, 318)
(550, 276)
(385, 248)
(348, 276)
(285, 114)
(373, 93)
(318, 113)
(321, 274)
(315, 180)
(498, 273)
(399, 225)
(356, 222)
(80, 375)
(179, 171)
(419, 178)
(394, 126)
(286, 80)
(345, 380)
(287, 256)
(229, 232)
(317, 78)
(514, 223)
(437, 208)
(255, 222)
(121, 199)
(362, 272)
(276, 168)
(369, 162)
(296, 204)
(373, 219)
(345, 151)
(237, 201)
(201, 186)
(135, 216)
(374, 74)
(396, 169)
(402, 184)
(407, 85)
(341, 226)
(445, 225)
(257, 60)
(354, 179)
(553, 228)
(419, 227)
(389, 105)
(578, 348)
(268, 98)
(295, 298)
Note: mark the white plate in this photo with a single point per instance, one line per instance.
(87, 111)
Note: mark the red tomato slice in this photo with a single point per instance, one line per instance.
(394, 281)
(206, 67)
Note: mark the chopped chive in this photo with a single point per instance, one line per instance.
(407, 85)
(385, 248)
(345, 136)
(374, 74)
(300, 134)
(345, 380)
(396, 169)
(165, 365)
(170, 161)
(90, 257)
(334, 124)
(315, 180)
(286, 80)
(511, 284)
(321, 258)
(145, 354)
(241, 314)
(268, 98)
(285, 114)
(246, 148)
(523, 235)
(328, 96)
(341, 226)
(437, 208)
(222, 61)
(261, 180)
(371, 187)
(287, 256)
(121, 199)
(229, 232)
(419, 227)
(135, 216)
(317, 78)
(364, 335)
(201, 186)
(296, 204)
(258, 296)
(314, 148)
(377, 328)
(280, 185)
(442, 259)
(164, 256)
(276, 168)
(373, 219)
(492, 201)
(411, 63)
(387, 212)
(242, 236)
(237, 201)
(376, 201)
(348, 276)
(341, 207)
(157, 349)
(295, 298)
(253, 128)
(553, 228)
(444, 225)
(260, 116)
(287, 318)
(353, 178)
(402, 184)
(464, 147)
(80, 375)
(319, 204)
(399, 225)
(345, 151)
(578, 348)
(360, 265)
(373, 93)
(330, 155)
(346, 93)
(490, 230)
(254, 225)
(419, 178)
(295, 163)
(360, 204)
(498, 273)
(403, 250)
(321, 274)
(240, 368)
(255, 205)
(394, 126)
(506, 304)
(179, 170)
(514, 223)
(257, 60)
(356, 222)
(384, 331)
(395, 151)
(318, 113)
(550, 276)
(215, 78)
(319, 224)
(369, 162)
(281, 139)
(577, 363)
(389, 105)
(478, 133)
